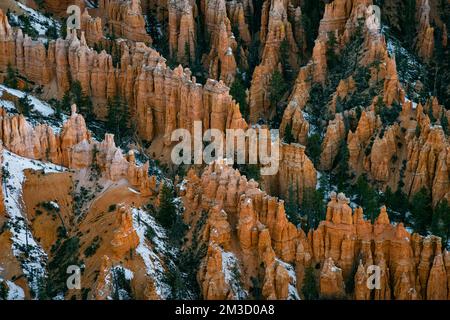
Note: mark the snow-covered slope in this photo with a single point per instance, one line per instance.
(24, 247)
(39, 106)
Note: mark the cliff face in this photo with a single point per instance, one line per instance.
(242, 221)
(154, 92)
(59, 7)
(347, 245)
(275, 28)
(73, 147)
(246, 228)
(182, 32)
(125, 19)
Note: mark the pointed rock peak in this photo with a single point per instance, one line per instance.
(131, 156)
(73, 110)
(83, 40)
(86, 13)
(342, 198)
(136, 6)
(383, 217)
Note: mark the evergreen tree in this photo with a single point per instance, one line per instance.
(4, 290)
(66, 102)
(152, 25)
(421, 211)
(58, 110)
(367, 198)
(11, 77)
(342, 175)
(52, 32)
(167, 212)
(396, 203)
(288, 72)
(440, 224)
(309, 289)
(187, 52)
(63, 29)
(291, 207)
(277, 88)
(83, 102)
(27, 27)
(288, 136)
(417, 131)
(238, 93)
(444, 124)
(332, 57)
(118, 117)
(25, 105)
(313, 206)
(313, 149)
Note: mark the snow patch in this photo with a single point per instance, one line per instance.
(33, 264)
(15, 292)
(231, 272)
(153, 262)
(41, 107)
(293, 293)
(38, 21)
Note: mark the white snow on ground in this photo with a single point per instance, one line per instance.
(153, 262)
(293, 294)
(8, 105)
(24, 247)
(15, 292)
(134, 191)
(110, 284)
(54, 205)
(128, 274)
(38, 21)
(41, 107)
(230, 270)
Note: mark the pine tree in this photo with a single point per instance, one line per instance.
(83, 102)
(309, 288)
(152, 25)
(313, 206)
(417, 131)
(421, 211)
(367, 197)
(291, 207)
(288, 72)
(4, 290)
(440, 224)
(396, 202)
(332, 57)
(52, 31)
(118, 117)
(342, 175)
(277, 88)
(313, 148)
(25, 105)
(112, 118)
(167, 212)
(58, 110)
(238, 93)
(444, 124)
(11, 77)
(288, 136)
(66, 102)
(187, 52)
